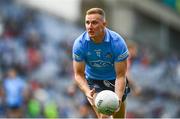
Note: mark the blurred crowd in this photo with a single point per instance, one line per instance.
(36, 77)
(158, 76)
(35, 63)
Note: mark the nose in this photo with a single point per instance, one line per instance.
(90, 25)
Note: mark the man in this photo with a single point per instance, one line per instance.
(132, 47)
(15, 92)
(100, 61)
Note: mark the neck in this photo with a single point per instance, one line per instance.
(99, 39)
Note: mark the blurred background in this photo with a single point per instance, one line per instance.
(36, 38)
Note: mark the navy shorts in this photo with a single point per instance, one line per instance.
(101, 85)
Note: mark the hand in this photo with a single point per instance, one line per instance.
(90, 96)
(137, 91)
(118, 107)
(71, 90)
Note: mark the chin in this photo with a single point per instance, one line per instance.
(91, 36)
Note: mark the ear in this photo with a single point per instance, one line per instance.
(105, 23)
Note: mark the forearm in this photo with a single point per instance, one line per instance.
(82, 83)
(120, 86)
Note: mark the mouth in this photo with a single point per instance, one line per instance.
(91, 32)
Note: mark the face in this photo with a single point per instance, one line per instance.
(133, 51)
(95, 25)
(12, 73)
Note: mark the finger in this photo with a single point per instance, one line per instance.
(93, 90)
(89, 96)
(90, 101)
(118, 106)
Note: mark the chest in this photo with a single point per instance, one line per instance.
(102, 52)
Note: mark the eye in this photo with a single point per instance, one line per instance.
(94, 22)
(87, 22)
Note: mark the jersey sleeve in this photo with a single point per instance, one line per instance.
(120, 49)
(78, 51)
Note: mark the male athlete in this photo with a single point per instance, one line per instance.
(100, 61)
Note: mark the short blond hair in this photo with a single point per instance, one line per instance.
(96, 11)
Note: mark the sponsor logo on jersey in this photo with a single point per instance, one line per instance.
(100, 63)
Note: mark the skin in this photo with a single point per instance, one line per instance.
(95, 26)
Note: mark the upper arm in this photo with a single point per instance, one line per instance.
(78, 52)
(79, 68)
(120, 49)
(121, 54)
(121, 68)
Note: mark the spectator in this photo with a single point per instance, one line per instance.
(132, 47)
(14, 90)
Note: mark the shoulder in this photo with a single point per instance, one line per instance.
(119, 45)
(79, 45)
(114, 36)
(117, 41)
(81, 39)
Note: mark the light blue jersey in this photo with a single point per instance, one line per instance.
(100, 58)
(14, 91)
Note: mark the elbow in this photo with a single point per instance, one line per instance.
(77, 78)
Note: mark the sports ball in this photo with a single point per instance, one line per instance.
(107, 102)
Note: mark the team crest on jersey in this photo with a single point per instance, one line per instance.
(109, 55)
(98, 52)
